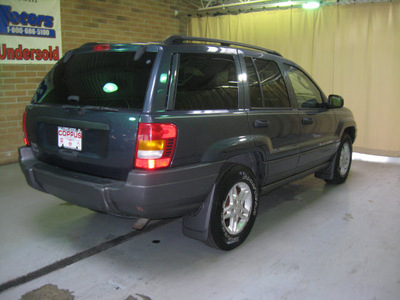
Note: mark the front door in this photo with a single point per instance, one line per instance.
(317, 123)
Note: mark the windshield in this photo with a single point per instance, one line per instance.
(106, 79)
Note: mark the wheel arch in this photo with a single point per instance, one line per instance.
(251, 160)
(347, 125)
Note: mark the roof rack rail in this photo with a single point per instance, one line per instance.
(178, 39)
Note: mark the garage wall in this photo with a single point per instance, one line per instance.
(84, 21)
(351, 50)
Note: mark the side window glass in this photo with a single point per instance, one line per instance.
(307, 94)
(272, 84)
(206, 81)
(254, 84)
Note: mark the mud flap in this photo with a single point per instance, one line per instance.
(196, 227)
(327, 173)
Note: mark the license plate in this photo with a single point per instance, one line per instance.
(69, 138)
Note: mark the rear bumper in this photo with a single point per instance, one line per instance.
(146, 194)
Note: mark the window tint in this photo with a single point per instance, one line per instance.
(307, 94)
(206, 81)
(272, 84)
(108, 79)
(269, 82)
(254, 84)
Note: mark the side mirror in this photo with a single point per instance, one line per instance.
(335, 101)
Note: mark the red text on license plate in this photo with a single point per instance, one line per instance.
(69, 138)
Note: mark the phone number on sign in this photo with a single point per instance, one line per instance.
(28, 31)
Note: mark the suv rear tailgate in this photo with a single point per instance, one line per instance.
(107, 139)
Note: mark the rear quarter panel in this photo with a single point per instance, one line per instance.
(206, 136)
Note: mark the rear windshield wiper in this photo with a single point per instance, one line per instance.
(66, 106)
(90, 107)
(100, 108)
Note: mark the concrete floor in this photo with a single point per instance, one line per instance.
(310, 241)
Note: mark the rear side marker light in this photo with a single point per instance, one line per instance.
(101, 47)
(155, 145)
(26, 141)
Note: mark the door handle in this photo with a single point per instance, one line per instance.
(261, 123)
(307, 121)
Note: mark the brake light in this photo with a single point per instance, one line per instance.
(101, 47)
(155, 145)
(26, 141)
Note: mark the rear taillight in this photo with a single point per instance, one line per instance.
(101, 47)
(155, 145)
(26, 141)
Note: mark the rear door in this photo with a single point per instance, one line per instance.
(317, 123)
(205, 101)
(85, 113)
(273, 122)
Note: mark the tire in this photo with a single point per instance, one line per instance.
(234, 209)
(343, 161)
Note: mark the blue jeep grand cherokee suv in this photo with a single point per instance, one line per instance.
(181, 129)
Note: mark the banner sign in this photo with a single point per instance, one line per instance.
(30, 31)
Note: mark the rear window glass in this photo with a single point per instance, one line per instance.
(206, 81)
(107, 79)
